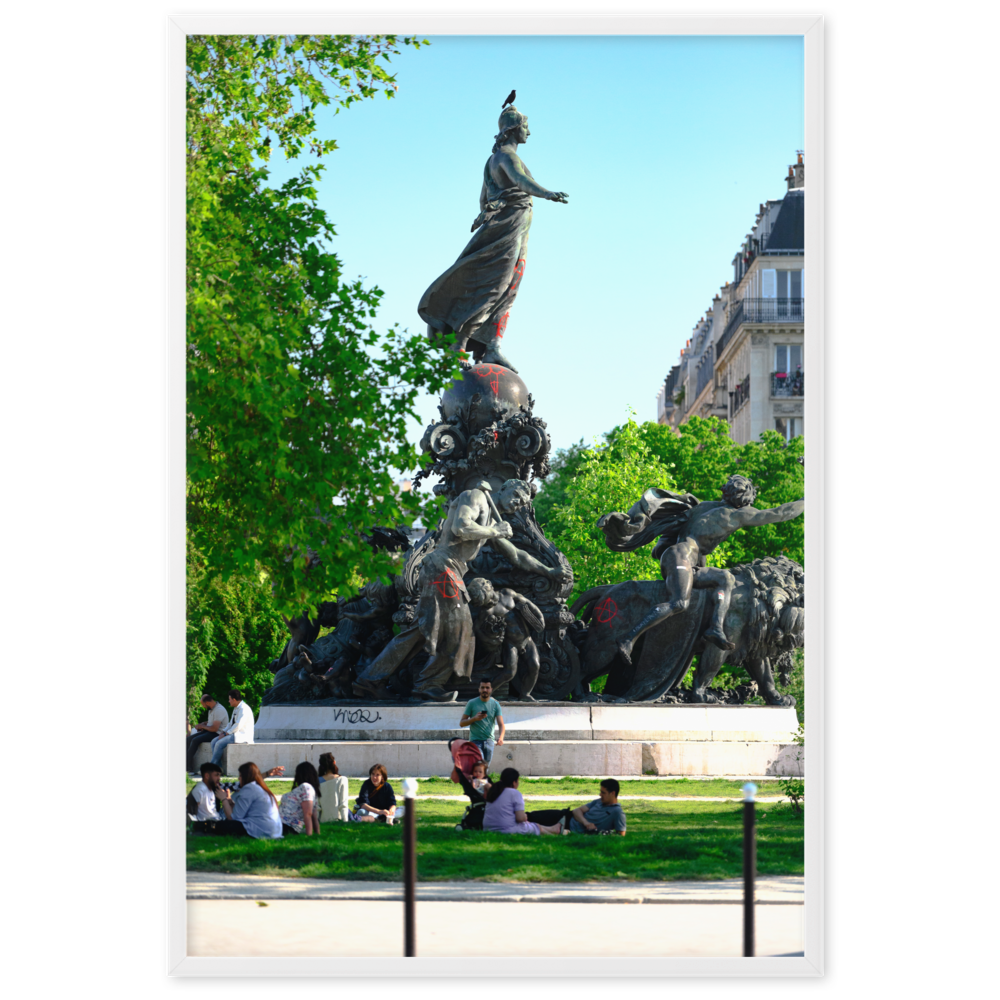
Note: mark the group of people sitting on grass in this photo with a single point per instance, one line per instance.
(499, 806)
(250, 809)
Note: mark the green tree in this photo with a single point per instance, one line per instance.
(297, 406)
(564, 467)
(609, 476)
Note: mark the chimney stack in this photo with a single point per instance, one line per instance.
(797, 173)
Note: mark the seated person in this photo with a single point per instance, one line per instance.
(376, 800)
(253, 812)
(205, 732)
(505, 808)
(203, 801)
(475, 786)
(332, 789)
(602, 815)
(299, 808)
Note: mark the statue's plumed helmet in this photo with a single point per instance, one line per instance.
(739, 492)
(509, 119)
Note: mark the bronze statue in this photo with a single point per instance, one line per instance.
(688, 530)
(472, 299)
(507, 620)
(443, 620)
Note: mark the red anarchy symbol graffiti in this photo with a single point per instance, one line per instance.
(449, 584)
(502, 325)
(518, 274)
(605, 611)
(494, 371)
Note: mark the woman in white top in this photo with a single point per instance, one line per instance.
(332, 789)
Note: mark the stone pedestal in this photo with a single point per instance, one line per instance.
(545, 738)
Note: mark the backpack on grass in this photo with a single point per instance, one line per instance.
(473, 817)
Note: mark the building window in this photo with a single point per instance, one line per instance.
(787, 358)
(789, 427)
(789, 284)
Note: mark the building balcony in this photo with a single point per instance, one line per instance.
(739, 397)
(773, 310)
(760, 311)
(785, 384)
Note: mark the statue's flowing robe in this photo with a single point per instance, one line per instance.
(472, 298)
(443, 626)
(657, 514)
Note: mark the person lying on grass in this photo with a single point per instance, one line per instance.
(299, 807)
(376, 800)
(602, 815)
(505, 808)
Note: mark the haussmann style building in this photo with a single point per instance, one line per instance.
(744, 360)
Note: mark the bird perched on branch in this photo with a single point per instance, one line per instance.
(510, 99)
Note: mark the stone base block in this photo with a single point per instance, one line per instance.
(542, 758)
(723, 757)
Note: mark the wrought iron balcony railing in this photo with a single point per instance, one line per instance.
(735, 318)
(788, 383)
(773, 310)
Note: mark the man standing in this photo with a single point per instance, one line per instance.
(480, 715)
(239, 730)
(218, 719)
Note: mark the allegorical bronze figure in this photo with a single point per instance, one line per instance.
(472, 299)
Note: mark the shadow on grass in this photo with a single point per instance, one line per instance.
(665, 842)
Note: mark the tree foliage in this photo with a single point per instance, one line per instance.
(609, 476)
(233, 633)
(297, 405)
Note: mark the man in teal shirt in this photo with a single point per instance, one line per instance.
(480, 715)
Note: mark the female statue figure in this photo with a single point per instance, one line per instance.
(473, 297)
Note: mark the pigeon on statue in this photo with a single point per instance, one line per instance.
(510, 99)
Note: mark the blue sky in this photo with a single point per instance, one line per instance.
(665, 145)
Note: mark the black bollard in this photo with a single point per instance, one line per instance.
(410, 869)
(749, 866)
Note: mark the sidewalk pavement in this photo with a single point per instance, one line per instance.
(251, 915)
(777, 890)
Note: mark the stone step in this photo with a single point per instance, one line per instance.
(557, 721)
(533, 758)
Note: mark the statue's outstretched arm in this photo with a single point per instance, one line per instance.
(514, 169)
(753, 518)
(523, 560)
(467, 527)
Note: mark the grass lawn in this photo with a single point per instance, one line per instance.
(666, 841)
(586, 788)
